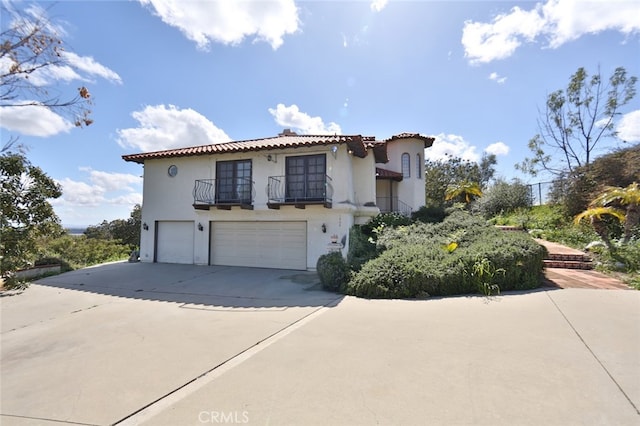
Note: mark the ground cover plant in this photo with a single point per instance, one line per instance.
(550, 222)
(461, 255)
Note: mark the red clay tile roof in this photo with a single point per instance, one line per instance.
(355, 143)
(428, 140)
(379, 149)
(388, 174)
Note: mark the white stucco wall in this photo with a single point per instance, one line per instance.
(410, 190)
(171, 198)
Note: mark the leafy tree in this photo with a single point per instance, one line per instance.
(99, 232)
(575, 120)
(443, 174)
(125, 231)
(620, 167)
(26, 213)
(487, 169)
(504, 197)
(31, 46)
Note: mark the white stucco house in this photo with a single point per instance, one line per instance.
(273, 202)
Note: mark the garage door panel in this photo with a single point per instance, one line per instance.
(174, 242)
(259, 244)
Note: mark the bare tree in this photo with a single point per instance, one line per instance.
(576, 120)
(31, 53)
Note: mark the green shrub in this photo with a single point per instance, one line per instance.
(384, 221)
(504, 197)
(459, 226)
(576, 236)
(400, 272)
(361, 250)
(64, 266)
(537, 217)
(429, 214)
(333, 271)
(624, 254)
(442, 259)
(80, 251)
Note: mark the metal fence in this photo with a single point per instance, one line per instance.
(540, 192)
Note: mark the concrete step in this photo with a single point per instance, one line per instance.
(572, 257)
(568, 264)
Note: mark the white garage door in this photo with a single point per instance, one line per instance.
(174, 242)
(259, 244)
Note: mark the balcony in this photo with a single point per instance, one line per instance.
(393, 205)
(223, 193)
(299, 191)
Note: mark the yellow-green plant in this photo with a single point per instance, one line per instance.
(482, 273)
(466, 190)
(627, 198)
(610, 202)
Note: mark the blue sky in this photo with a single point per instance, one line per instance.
(169, 73)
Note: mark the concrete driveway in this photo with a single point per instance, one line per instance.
(175, 344)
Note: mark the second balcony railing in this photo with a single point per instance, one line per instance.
(299, 191)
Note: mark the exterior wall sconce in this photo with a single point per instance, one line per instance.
(334, 151)
(200, 227)
(324, 228)
(272, 157)
(145, 226)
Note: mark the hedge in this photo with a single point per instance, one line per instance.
(438, 260)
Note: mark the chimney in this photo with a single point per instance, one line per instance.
(287, 132)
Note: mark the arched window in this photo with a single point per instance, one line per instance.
(406, 165)
(418, 166)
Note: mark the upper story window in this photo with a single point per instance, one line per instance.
(418, 166)
(306, 177)
(406, 165)
(233, 181)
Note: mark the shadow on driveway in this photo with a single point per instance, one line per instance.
(199, 287)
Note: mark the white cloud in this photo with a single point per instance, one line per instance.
(556, 21)
(52, 73)
(103, 188)
(91, 67)
(161, 127)
(111, 181)
(80, 193)
(33, 120)
(128, 200)
(497, 148)
(229, 22)
(378, 5)
(629, 127)
(71, 66)
(497, 78)
(291, 116)
(447, 146)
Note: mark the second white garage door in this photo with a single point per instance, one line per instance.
(280, 245)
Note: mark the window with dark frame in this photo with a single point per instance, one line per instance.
(406, 165)
(233, 181)
(306, 178)
(418, 166)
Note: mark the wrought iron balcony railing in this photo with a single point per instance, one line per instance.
(223, 193)
(299, 190)
(393, 204)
